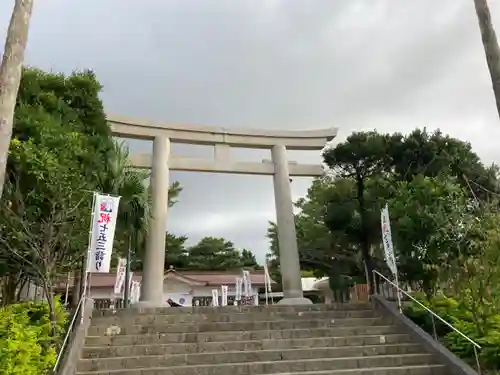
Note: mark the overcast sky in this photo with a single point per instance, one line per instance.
(283, 64)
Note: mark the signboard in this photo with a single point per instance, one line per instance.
(247, 301)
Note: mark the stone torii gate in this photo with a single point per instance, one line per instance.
(161, 162)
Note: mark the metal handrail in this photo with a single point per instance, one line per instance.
(68, 333)
(434, 315)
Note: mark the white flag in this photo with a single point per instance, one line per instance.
(103, 232)
(138, 291)
(135, 291)
(247, 283)
(267, 278)
(223, 294)
(238, 287)
(215, 297)
(132, 292)
(120, 275)
(387, 240)
(130, 284)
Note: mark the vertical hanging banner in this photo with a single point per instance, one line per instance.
(387, 240)
(238, 287)
(247, 283)
(120, 276)
(103, 232)
(130, 283)
(215, 297)
(389, 249)
(267, 278)
(267, 281)
(132, 292)
(135, 292)
(223, 294)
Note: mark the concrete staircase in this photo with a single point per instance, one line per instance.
(310, 340)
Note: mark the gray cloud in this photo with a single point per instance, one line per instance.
(289, 64)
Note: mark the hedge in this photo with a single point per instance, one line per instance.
(27, 343)
(459, 317)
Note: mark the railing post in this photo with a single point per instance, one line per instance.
(376, 283)
(434, 331)
(477, 360)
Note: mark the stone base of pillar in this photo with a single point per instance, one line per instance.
(293, 301)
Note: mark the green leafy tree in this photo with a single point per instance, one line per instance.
(434, 154)
(361, 160)
(42, 228)
(474, 275)
(321, 251)
(248, 260)
(429, 221)
(372, 164)
(212, 253)
(60, 136)
(176, 253)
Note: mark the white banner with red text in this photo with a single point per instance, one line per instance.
(103, 232)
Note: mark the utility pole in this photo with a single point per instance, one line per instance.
(490, 45)
(10, 76)
(126, 294)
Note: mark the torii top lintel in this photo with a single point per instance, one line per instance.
(206, 135)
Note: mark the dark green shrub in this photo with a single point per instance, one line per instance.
(446, 308)
(27, 343)
(454, 313)
(457, 343)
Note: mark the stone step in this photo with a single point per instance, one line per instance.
(407, 370)
(105, 329)
(231, 309)
(138, 319)
(225, 346)
(275, 367)
(100, 364)
(166, 338)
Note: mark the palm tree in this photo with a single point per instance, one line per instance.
(490, 44)
(122, 179)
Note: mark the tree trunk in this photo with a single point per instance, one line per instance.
(22, 284)
(490, 44)
(10, 288)
(364, 235)
(10, 75)
(49, 294)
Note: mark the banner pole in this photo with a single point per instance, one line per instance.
(399, 293)
(267, 294)
(67, 289)
(86, 279)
